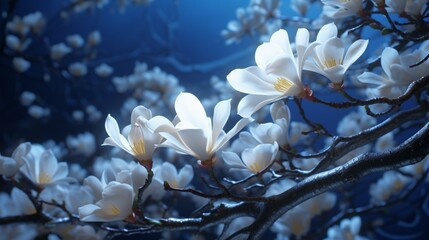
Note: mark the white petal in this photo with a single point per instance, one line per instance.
(221, 114)
(355, 51)
(196, 141)
(389, 57)
(333, 48)
(372, 78)
(233, 160)
(189, 109)
(281, 38)
(86, 213)
(62, 171)
(266, 53)
(251, 80)
(186, 174)
(48, 163)
(169, 173)
(140, 111)
(252, 103)
(238, 126)
(327, 31)
(116, 139)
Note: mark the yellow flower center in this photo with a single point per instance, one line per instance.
(114, 211)
(283, 85)
(139, 147)
(44, 178)
(332, 62)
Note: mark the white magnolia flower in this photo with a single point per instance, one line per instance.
(341, 8)
(36, 21)
(58, 51)
(9, 166)
(348, 229)
(42, 168)
(83, 144)
(390, 184)
(14, 43)
(20, 64)
(195, 133)
(103, 70)
(16, 204)
(295, 222)
(116, 204)
(385, 142)
(397, 75)
(256, 159)
(75, 41)
(176, 179)
(94, 38)
(37, 112)
(330, 58)
(78, 69)
(27, 98)
(142, 141)
(277, 74)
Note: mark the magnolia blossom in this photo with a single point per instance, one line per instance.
(116, 204)
(9, 166)
(348, 229)
(16, 44)
(37, 112)
(397, 75)
(330, 58)
(255, 160)
(103, 70)
(20, 64)
(176, 179)
(195, 133)
(27, 98)
(78, 69)
(390, 184)
(277, 74)
(75, 41)
(94, 38)
(142, 141)
(42, 168)
(341, 8)
(58, 51)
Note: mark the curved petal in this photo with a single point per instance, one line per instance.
(61, 172)
(189, 109)
(281, 38)
(333, 50)
(354, 52)
(237, 127)
(116, 139)
(267, 52)
(233, 160)
(140, 111)
(389, 57)
(259, 158)
(86, 213)
(372, 78)
(48, 164)
(251, 80)
(185, 176)
(169, 174)
(326, 32)
(160, 124)
(248, 139)
(196, 141)
(251, 103)
(221, 114)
